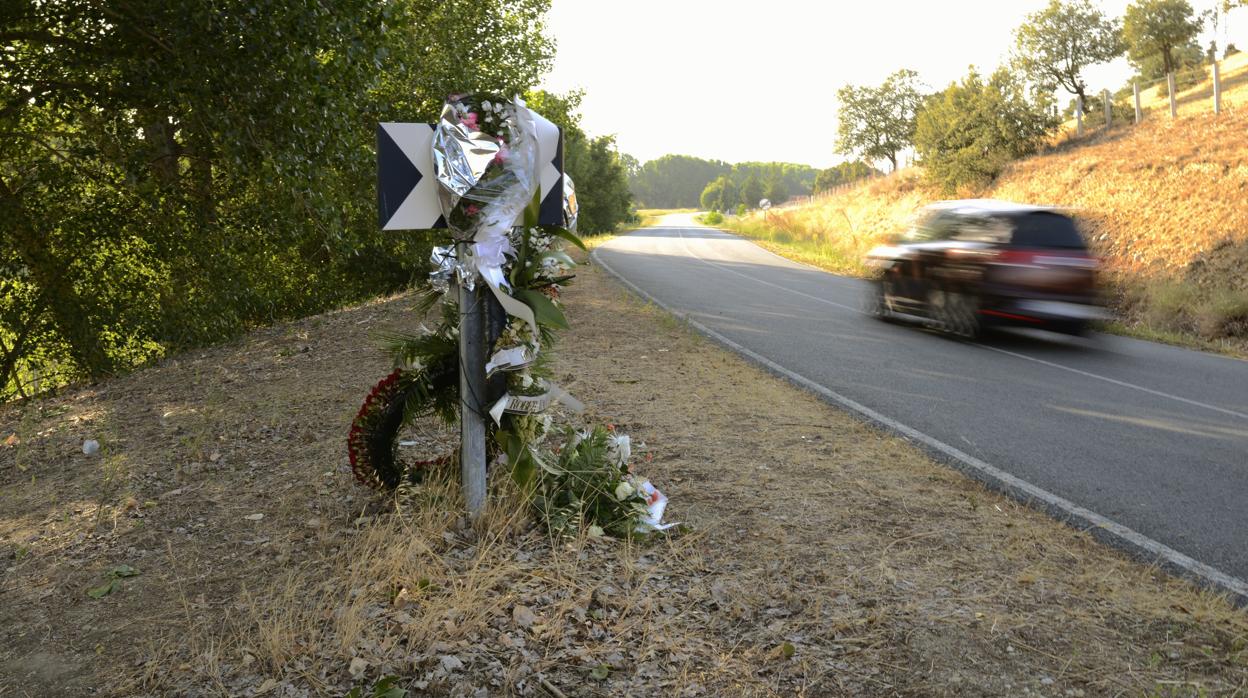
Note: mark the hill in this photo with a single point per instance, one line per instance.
(1164, 204)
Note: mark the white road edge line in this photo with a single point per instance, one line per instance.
(1139, 541)
(1050, 364)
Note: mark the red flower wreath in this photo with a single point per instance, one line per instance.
(371, 443)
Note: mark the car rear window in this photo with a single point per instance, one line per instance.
(1045, 229)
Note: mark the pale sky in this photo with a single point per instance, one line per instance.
(739, 81)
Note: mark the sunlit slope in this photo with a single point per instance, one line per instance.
(1164, 204)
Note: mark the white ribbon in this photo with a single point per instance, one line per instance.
(534, 404)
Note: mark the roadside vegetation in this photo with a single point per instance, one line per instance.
(152, 201)
(1161, 203)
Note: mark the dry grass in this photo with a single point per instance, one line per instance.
(827, 558)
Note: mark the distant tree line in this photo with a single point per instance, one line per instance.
(966, 133)
(173, 173)
(683, 181)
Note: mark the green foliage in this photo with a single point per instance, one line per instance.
(588, 484)
(596, 166)
(720, 195)
(967, 133)
(1055, 44)
(384, 688)
(751, 191)
(172, 174)
(1154, 30)
(712, 218)
(678, 181)
(741, 209)
(843, 173)
(877, 122)
(674, 181)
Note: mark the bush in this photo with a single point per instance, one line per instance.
(712, 218)
(740, 209)
(969, 132)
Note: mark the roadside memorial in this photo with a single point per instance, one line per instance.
(489, 175)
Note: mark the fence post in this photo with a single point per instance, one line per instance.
(1109, 115)
(1139, 116)
(1217, 89)
(1174, 109)
(1078, 115)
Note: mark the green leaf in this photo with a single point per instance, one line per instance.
(546, 312)
(102, 591)
(124, 571)
(600, 672)
(569, 236)
(787, 650)
(524, 470)
(532, 212)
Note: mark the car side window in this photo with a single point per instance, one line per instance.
(990, 229)
(937, 226)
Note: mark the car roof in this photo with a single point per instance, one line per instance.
(985, 207)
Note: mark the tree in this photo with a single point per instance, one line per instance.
(842, 173)
(598, 170)
(712, 194)
(751, 191)
(1054, 45)
(172, 173)
(776, 190)
(970, 131)
(675, 181)
(1156, 28)
(878, 122)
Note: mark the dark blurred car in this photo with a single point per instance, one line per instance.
(972, 264)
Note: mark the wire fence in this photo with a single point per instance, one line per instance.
(1186, 89)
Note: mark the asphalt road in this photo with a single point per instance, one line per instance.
(1152, 437)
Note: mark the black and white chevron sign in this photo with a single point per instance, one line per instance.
(407, 191)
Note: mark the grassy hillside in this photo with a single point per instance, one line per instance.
(1165, 204)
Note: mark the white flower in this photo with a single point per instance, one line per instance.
(619, 449)
(487, 106)
(526, 380)
(623, 490)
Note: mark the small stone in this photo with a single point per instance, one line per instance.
(254, 517)
(90, 447)
(450, 662)
(523, 616)
(1046, 681)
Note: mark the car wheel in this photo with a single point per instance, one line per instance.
(955, 312)
(876, 302)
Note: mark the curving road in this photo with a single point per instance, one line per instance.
(1145, 442)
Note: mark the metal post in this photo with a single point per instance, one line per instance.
(1109, 114)
(1174, 108)
(1078, 115)
(471, 393)
(1217, 89)
(1139, 115)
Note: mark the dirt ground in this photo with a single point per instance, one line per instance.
(825, 558)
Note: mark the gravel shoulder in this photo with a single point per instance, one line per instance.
(825, 558)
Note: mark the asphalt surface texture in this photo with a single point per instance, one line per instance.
(1150, 436)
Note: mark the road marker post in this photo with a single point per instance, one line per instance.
(407, 199)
